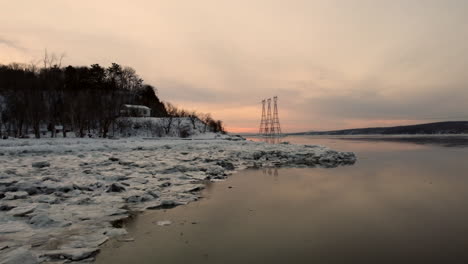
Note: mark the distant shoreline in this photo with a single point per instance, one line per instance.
(438, 128)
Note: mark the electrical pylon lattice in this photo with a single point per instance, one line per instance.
(269, 123)
(275, 124)
(263, 121)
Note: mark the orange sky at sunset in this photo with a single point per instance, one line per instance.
(334, 64)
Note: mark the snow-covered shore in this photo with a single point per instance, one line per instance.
(60, 199)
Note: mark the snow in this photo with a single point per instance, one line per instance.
(156, 127)
(62, 198)
(137, 107)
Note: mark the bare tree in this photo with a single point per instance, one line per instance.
(172, 111)
(192, 115)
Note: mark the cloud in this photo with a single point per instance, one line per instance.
(12, 44)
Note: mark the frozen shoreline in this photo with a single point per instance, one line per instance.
(59, 197)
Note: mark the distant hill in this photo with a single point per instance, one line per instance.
(451, 127)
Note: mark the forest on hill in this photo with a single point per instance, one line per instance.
(86, 100)
(449, 127)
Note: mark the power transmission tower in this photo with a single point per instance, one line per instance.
(263, 123)
(275, 124)
(270, 124)
(268, 120)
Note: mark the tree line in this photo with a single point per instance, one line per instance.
(86, 100)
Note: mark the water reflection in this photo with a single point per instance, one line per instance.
(270, 171)
(444, 140)
(347, 144)
(270, 140)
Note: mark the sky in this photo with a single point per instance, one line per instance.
(334, 64)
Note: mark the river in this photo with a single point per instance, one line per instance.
(404, 201)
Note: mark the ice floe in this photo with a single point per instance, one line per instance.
(60, 199)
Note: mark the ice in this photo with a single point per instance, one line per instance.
(22, 210)
(12, 227)
(70, 253)
(15, 195)
(114, 232)
(164, 223)
(20, 255)
(62, 198)
(42, 220)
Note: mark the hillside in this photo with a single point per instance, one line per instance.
(90, 101)
(450, 127)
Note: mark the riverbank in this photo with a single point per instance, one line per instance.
(61, 198)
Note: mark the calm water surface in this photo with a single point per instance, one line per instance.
(400, 203)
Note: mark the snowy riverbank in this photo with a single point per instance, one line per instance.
(60, 198)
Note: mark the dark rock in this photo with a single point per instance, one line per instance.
(113, 159)
(6, 207)
(258, 155)
(165, 184)
(226, 164)
(65, 188)
(41, 164)
(115, 187)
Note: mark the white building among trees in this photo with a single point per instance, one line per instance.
(135, 111)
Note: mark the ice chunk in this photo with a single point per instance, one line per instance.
(19, 256)
(42, 220)
(15, 195)
(164, 223)
(114, 232)
(74, 254)
(13, 227)
(22, 210)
